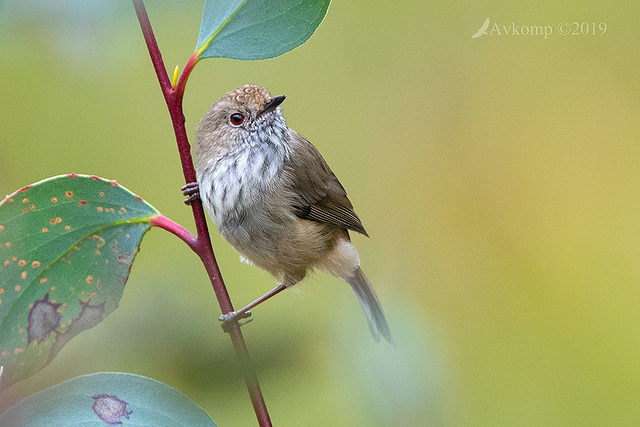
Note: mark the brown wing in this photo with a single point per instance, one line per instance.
(318, 195)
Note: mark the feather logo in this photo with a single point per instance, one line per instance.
(482, 30)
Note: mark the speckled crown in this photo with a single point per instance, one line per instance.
(252, 96)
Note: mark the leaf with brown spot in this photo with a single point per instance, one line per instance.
(64, 261)
(107, 398)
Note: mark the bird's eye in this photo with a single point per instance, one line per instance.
(236, 119)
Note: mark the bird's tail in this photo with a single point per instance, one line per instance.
(370, 305)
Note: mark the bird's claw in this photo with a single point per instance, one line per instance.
(192, 190)
(228, 319)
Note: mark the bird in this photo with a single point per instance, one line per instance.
(275, 199)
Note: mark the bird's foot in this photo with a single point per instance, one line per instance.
(226, 320)
(192, 190)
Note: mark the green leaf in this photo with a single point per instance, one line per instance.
(107, 398)
(257, 29)
(66, 248)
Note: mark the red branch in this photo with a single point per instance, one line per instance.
(202, 244)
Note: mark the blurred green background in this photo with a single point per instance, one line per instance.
(498, 178)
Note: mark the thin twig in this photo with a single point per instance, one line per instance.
(202, 244)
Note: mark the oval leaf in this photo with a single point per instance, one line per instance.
(66, 248)
(257, 29)
(107, 398)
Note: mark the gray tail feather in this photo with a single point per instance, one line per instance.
(370, 305)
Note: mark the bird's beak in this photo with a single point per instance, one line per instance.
(271, 104)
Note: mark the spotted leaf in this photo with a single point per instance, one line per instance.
(66, 248)
(107, 398)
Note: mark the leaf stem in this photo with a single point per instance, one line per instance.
(182, 81)
(202, 244)
(175, 229)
